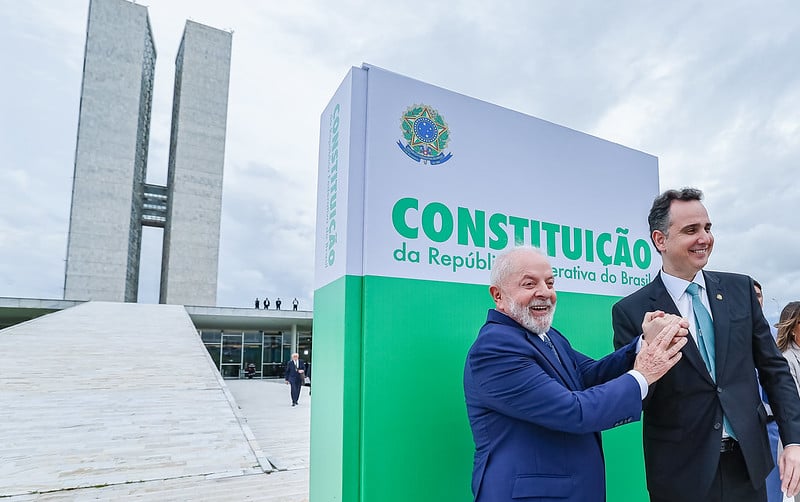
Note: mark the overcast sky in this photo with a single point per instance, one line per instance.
(710, 88)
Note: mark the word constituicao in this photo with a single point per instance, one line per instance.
(474, 227)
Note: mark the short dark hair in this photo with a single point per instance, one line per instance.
(659, 212)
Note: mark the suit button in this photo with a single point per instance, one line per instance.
(717, 426)
(719, 390)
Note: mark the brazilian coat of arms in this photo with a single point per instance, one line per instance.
(426, 135)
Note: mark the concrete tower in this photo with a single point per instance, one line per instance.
(110, 199)
(196, 157)
(104, 242)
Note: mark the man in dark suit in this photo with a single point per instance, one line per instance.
(295, 376)
(704, 424)
(774, 493)
(536, 406)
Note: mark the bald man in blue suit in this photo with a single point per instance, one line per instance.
(536, 406)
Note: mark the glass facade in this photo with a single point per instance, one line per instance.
(232, 351)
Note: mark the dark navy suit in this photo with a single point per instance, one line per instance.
(683, 411)
(295, 378)
(536, 420)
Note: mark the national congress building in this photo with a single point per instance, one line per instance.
(112, 201)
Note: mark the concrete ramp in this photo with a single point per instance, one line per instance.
(111, 393)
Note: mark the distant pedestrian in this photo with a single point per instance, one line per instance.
(266, 303)
(278, 303)
(257, 304)
(294, 304)
(295, 375)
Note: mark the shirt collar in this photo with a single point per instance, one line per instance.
(677, 286)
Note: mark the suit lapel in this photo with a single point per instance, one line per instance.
(566, 362)
(557, 366)
(662, 301)
(563, 372)
(721, 315)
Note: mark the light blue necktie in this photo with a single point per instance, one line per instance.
(705, 329)
(705, 338)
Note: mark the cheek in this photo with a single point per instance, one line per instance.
(502, 303)
(509, 301)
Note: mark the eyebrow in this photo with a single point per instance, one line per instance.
(695, 225)
(536, 279)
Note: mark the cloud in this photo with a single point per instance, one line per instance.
(710, 89)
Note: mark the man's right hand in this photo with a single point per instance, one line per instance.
(658, 356)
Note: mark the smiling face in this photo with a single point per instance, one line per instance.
(687, 245)
(526, 292)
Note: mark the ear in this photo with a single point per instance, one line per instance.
(495, 292)
(659, 239)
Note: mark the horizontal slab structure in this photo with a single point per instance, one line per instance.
(108, 400)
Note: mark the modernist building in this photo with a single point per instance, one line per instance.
(234, 337)
(111, 201)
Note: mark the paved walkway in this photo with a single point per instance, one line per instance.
(109, 401)
(282, 431)
(267, 409)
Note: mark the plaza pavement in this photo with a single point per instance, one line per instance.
(109, 401)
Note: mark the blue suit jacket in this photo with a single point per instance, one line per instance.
(683, 411)
(536, 421)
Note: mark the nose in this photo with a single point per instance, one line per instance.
(541, 291)
(705, 235)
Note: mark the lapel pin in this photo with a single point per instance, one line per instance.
(719, 297)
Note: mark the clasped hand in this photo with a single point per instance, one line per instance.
(655, 322)
(664, 335)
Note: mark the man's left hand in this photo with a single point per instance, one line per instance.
(789, 466)
(654, 322)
